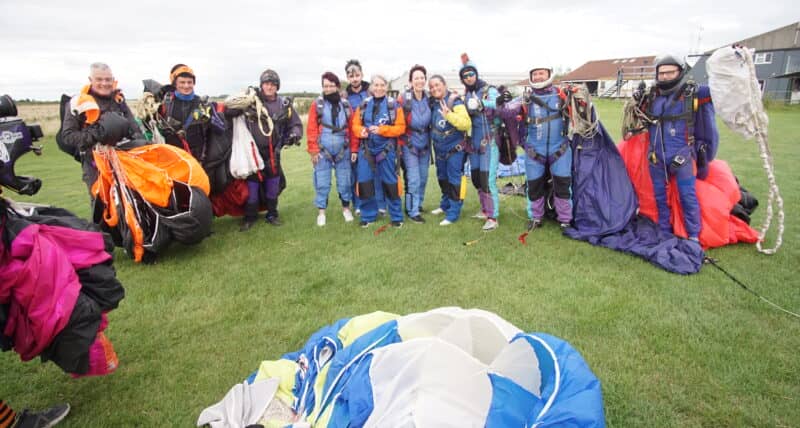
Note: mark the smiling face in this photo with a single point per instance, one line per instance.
(184, 85)
(418, 80)
(378, 88)
(540, 75)
(102, 82)
(469, 77)
(437, 88)
(328, 87)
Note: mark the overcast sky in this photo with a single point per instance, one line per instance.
(47, 46)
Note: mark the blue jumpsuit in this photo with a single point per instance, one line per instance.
(484, 155)
(417, 150)
(378, 168)
(448, 144)
(546, 146)
(334, 155)
(672, 151)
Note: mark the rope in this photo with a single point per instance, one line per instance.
(247, 100)
(713, 262)
(580, 125)
(147, 112)
(766, 158)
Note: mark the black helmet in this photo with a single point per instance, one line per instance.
(271, 76)
(667, 85)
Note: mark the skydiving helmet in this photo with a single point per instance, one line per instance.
(16, 139)
(666, 85)
(541, 85)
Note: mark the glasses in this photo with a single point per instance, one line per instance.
(468, 75)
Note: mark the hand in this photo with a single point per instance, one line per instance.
(114, 128)
(503, 98)
(293, 140)
(443, 107)
(373, 129)
(314, 159)
(364, 133)
(353, 157)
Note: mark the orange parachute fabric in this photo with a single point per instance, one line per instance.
(716, 195)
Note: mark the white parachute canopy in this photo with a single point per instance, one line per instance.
(736, 92)
(737, 100)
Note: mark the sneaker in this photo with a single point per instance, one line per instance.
(381, 212)
(348, 216)
(437, 211)
(533, 224)
(445, 222)
(273, 220)
(358, 211)
(397, 224)
(321, 219)
(365, 224)
(417, 219)
(246, 225)
(480, 215)
(694, 238)
(491, 224)
(44, 419)
(564, 225)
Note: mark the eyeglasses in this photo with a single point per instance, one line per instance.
(468, 75)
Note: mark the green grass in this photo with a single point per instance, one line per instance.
(669, 350)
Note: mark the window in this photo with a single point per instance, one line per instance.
(792, 63)
(763, 58)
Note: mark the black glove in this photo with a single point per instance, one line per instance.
(113, 127)
(503, 98)
(293, 140)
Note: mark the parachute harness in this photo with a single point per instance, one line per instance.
(249, 99)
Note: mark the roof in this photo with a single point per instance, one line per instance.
(786, 37)
(606, 69)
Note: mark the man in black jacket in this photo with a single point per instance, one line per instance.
(98, 114)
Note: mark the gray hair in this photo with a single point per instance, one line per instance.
(379, 76)
(98, 66)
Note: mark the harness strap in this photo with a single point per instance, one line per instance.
(540, 120)
(455, 149)
(544, 160)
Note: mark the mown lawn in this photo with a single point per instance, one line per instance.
(670, 350)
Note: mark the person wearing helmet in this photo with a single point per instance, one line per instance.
(417, 141)
(546, 146)
(682, 130)
(186, 116)
(265, 187)
(479, 98)
(98, 114)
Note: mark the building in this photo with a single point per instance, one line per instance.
(777, 63)
(616, 77)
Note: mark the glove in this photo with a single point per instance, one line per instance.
(503, 98)
(293, 140)
(111, 128)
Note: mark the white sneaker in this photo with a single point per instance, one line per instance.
(348, 216)
(437, 211)
(445, 222)
(491, 224)
(321, 220)
(479, 215)
(358, 211)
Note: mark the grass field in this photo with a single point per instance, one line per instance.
(670, 350)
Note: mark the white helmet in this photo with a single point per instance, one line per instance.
(541, 85)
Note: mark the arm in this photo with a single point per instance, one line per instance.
(356, 129)
(396, 130)
(312, 130)
(75, 138)
(459, 118)
(509, 110)
(491, 97)
(295, 124)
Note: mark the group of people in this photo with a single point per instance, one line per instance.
(379, 148)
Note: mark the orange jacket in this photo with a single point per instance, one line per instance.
(389, 131)
(314, 130)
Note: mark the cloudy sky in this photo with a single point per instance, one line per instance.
(47, 45)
